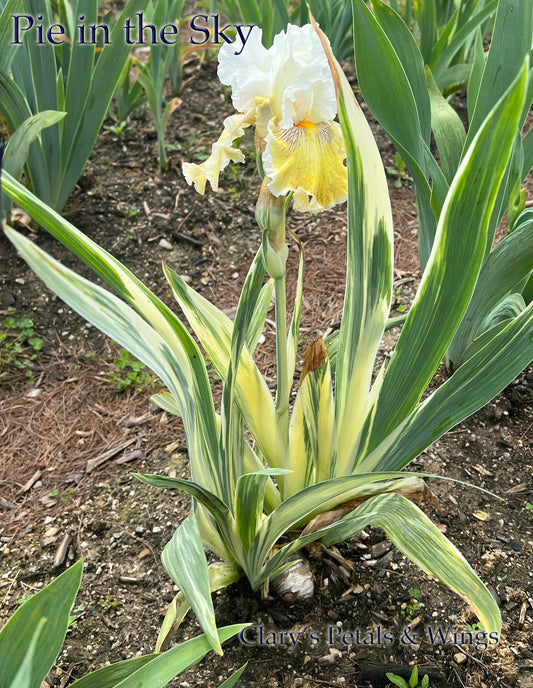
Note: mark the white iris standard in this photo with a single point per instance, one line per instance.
(287, 94)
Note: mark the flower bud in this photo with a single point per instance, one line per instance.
(270, 216)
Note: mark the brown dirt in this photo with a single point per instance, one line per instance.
(120, 526)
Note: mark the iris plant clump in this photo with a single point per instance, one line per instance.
(267, 477)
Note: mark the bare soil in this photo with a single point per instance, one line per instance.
(55, 509)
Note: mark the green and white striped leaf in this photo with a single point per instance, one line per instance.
(472, 385)
(224, 539)
(299, 509)
(249, 501)
(251, 464)
(452, 270)
(52, 604)
(274, 566)
(214, 330)
(504, 313)
(184, 560)
(151, 309)
(208, 499)
(221, 574)
(421, 541)
(231, 431)
(116, 319)
(257, 322)
(369, 270)
(166, 402)
(312, 433)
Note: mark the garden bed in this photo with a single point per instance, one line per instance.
(57, 506)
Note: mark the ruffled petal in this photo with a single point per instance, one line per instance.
(293, 74)
(307, 159)
(249, 72)
(222, 152)
(302, 86)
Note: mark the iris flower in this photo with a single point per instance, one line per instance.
(287, 94)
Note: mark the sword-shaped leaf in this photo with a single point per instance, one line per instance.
(300, 508)
(422, 542)
(452, 270)
(384, 80)
(53, 604)
(443, 59)
(151, 308)
(369, 270)
(257, 323)
(18, 145)
(221, 574)
(410, 58)
(312, 432)
(184, 560)
(116, 319)
(6, 32)
(503, 272)
(96, 101)
(17, 148)
(214, 330)
(472, 385)
(249, 499)
(324, 522)
(231, 430)
(505, 58)
(447, 128)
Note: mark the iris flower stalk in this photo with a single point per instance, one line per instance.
(287, 94)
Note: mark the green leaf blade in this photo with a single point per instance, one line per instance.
(421, 541)
(369, 270)
(453, 268)
(52, 604)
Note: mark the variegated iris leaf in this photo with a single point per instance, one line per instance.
(338, 467)
(368, 274)
(312, 452)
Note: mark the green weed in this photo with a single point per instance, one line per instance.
(18, 345)
(129, 373)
